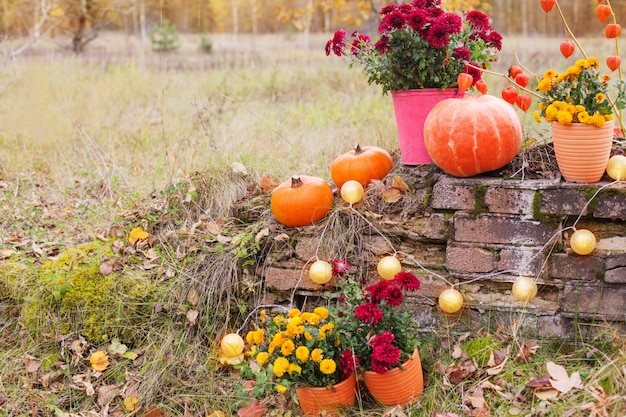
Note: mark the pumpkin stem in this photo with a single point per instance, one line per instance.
(296, 181)
(358, 150)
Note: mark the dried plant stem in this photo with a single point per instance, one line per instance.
(28, 384)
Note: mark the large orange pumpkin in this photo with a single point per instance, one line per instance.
(472, 135)
(301, 201)
(362, 164)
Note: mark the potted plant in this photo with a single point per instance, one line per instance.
(300, 351)
(420, 50)
(379, 330)
(577, 101)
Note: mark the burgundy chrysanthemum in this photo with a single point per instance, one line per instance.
(382, 45)
(407, 280)
(462, 53)
(337, 43)
(416, 20)
(475, 73)
(358, 45)
(433, 13)
(348, 362)
(385, 338)
(368, 313)
(394, 20)
(388, 9)
(405, 8)
(376, 291)
(494, 39)
(436, 37)
(449, 22)
(478, 20)
(384, 357)
(393, 295)
(341, 266)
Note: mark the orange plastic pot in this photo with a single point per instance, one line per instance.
(328, 401)
(397, 386)
(582, 151)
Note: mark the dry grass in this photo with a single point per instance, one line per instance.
(118, 138)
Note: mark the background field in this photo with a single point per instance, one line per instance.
(87, 139)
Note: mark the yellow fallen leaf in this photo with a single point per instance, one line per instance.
(399, 183)
(137, 234)
(217, 413)
(99, 361)
(130, 403)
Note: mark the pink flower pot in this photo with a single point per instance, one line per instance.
(411, 108)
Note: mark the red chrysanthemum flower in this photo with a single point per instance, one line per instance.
(393, 295)
(449, 22)
(376, 291)
(417, 19)
(385, 338)
(475, 73)
(369, 313)
(341, 266)
(382, 45)
(433, 13)
(348, 362)
(388, 9)
(384, 357)
(394, 20)
(405, 8)
(337, 43)
(494, 39)
(462, 53)
(436, 37)
(478, 20)
(407, 280)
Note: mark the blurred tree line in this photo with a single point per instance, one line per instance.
(80, 20)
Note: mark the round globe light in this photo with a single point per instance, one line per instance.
(524, 288)
(450, 301)
(320, 272)
(583, 242)
(388, 267)
(352, 191)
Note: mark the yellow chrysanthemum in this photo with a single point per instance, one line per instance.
(293, 313)
(600, 97)
(564, 117)
(593, 62)
(581, 63)
(308, 336)
(262, 358)
(583, 116)
(302, 353)
(608, 117)
(278, 320)
(262, 316)
(544, 85)
(293, 368)
(550, 73)
(281, 389)
(250, 337)
(322, 312)
(328, 366)
(314, 319)
(537, 116)
(281, 365)
(287, 347)
(596, 120)
(317, 355)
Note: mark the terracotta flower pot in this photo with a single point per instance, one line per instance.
(582, 151)
(321, 400)
(397, 386)
(411, 108)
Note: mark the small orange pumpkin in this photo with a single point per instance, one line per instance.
(301, 201)
(475, 134)
(361, 164)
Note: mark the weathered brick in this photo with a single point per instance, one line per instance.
(501, 230)
(559, 201)
(306, 248)
(452, 196)
(280, 279)
(586, 301)
(611, 205)
(509, 201)
(427, 255)
(523, 260)
(434, 227)
(469, 259)
(572, 266)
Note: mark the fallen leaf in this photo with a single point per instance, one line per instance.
(136, 235)
(130, 403)
(268, 182)
(282, 237)
(546, 394)
(117, 348)
(192, 316)
(193, 297)
(106, 394)
(497, 362)
(261, 234)
(31, 364)
(99, 361)
(560, 380)
(130, 355)
(395, 412)
(399, 183)
(82, 382)
(392, 195)
(106, 268)
(254, 409)
(529, 348)
(239, 168)
(6, 253)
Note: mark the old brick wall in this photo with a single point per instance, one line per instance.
(482, 233)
